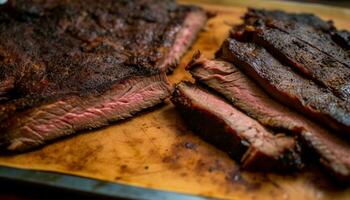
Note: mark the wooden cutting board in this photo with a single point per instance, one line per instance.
(155, 149)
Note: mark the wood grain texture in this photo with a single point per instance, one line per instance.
(156, 150)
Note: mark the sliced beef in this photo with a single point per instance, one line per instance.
(316, 39)
(231, 130)
(325, 28)
(304, 45)
(286, 85)
(310, 61)
(70, 65)
(244, 94)
(65, 116)
(189, 29)
(302, 18)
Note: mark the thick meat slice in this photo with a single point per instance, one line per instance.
(243, 93)
(286, 85)
(324, 28)
(65, 116)
(302, 18)
(231, 130)
(321, 67)
(315, 38)
(77, 64)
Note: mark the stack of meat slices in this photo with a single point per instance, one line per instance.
(276, 95)
(71, 65)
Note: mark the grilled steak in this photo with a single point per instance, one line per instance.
(316, 39)
(286, 85)
(72, 65)
(304, 45)
(302, 18)
(66, 115)
(156, 33)
(312, 62)
(327, 28)
(244, 94)
(231, 130)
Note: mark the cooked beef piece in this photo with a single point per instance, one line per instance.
(303, 45)
(149, 33)
(244, 94)
(315, 38)
(310, 61)
(302, 18)
(231, 130)
(189, 29)
(67, 115)
(342, 38)
(286, 85)
(76, 64)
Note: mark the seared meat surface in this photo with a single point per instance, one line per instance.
(342, 38)
(330, 71)
(252, 15)
(77, 64)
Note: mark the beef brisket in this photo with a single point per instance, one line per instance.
(325, 28)
(241, 136)
(303, 45)
(74, 64)
(310, 61)
(244, 94)
(65, 116)
(301, 18)
(316, 39)
(286, 85)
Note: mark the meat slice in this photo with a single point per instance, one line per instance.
(324, 28)
(192, 24)
(286, 85)
(231, 130)
(310, 61)
(302, 18)
(244, 94)
(71, 65)
(65, 116)
(315, 38)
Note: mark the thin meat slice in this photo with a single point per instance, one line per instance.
(287, 86)
(226, 79)
(65, 116)
(188, 32)
(233, 131)
(310, 61)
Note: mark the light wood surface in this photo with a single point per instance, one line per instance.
(155, 150)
